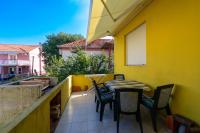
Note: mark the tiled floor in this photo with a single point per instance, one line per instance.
(80, 117)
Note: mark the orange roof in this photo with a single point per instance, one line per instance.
(17, 48)
(99, 43)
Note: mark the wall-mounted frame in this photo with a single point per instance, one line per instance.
(135, 46)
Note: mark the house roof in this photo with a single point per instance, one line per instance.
(17, 48)
(96, 44)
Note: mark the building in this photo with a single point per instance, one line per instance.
(20, 59)
(99, 46)
(169, 33)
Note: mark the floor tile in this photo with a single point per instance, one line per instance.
(80, 116)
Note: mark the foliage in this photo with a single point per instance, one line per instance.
(54, 68)
(49, 48)
(78, 63)
(99, 64)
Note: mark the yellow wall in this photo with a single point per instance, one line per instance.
(173, 51)
(38, 121)
(83, 81)
(37, 117)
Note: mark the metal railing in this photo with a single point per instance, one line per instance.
(14, 62)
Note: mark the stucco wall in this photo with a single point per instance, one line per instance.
(36, 65)
(84, 82)
(3, 56)
(36, 119)
(22, 56)
(173, 29)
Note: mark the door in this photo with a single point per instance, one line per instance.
(19, 70)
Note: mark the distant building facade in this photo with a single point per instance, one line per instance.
(20, 59)
(97, 47)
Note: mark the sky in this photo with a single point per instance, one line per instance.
(29, 21)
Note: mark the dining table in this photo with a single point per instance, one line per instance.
(126, 84)
(121, 84)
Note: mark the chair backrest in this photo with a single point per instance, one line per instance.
(128, 100)
(96, 89)
(119, 77)
(162, 95)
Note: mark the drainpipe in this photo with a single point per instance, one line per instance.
(109, 53)
(32, 65)
(40, 63)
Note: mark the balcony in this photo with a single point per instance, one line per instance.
(14, 62)
(78, 113)
(80, 117)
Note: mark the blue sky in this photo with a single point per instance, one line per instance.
(29, 21)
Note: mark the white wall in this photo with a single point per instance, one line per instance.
(36, 64)
(66, 53)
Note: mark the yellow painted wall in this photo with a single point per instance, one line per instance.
(173, 51)
(38, 121)
(82, 81)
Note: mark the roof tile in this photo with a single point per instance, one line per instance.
(17, 48)
(99, 43)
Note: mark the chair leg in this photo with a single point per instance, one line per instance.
(110, 105)
(102, 111)
(167, 108)
(97, 106)
(138, 116)
(153, 116)
(95, 99)
(115, 111)
(118, 119)
(117, 126)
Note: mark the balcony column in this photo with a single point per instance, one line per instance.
(17, 69)
(1, 73)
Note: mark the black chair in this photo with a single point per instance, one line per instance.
(102, 89)
(102, 99)
(119, 77)
(128, 102)
(159, 101)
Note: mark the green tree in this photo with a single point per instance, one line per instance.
(99, 64)
(55, 67)
(78, 63)
(49, 47)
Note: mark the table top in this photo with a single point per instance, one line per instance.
(118, 84)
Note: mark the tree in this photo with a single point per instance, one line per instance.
(99, 64)
(49, 47)
(78, 63)
(55, 66)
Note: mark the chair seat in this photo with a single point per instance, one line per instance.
(104, 90)
(147, 101)
(107, 97)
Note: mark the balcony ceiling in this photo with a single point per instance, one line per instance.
(107, 17)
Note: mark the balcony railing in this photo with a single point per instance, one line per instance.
(40, 108)
(14, 62)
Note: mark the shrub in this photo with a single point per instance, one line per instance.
(78, 63)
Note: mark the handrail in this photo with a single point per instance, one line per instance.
(14, 62)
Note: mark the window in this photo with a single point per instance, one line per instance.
(11, 70)
(136, 46)
(12, 57)
(20, 70)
